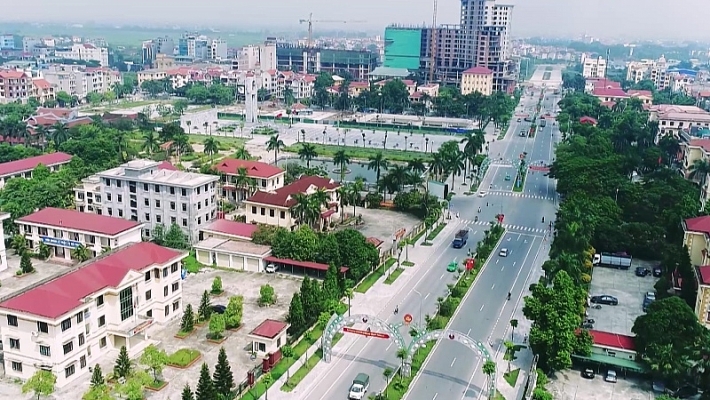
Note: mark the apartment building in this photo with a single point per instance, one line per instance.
(23, 168)
(217, 50)
(42, 90)
(7, 41)
(77, 80)
(192, 46)
(477, 79)
(274, 207)
(654, 70)
(696, 238)
(70, 322)
(15, 86)
(142, 191)
(696, 150)
(65, 230)
(593, 67)
(161, 45)
(675, 120)
(260, 176)
(84, 52)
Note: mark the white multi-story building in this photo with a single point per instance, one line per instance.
(7, 41)
(674, 119)
(141, 191)
(84, 52)
(70, 322)
(65, 230)
(77, 80)
(593, 67)
(23, 168)
(265, 176)
(654, 70)
(217, 50)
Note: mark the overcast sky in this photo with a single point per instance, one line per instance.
(686, 19)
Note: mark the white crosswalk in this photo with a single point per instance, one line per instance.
(518, 194)
(516, 228)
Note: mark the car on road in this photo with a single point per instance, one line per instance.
(588, 373)
(605, 299)
(507, 177)
(642, 272)
(648, 298)
(657, 271)
(518, 119)
(503, 252)
(610, 376)
(218, 308)
(482, 193)
(452, 267)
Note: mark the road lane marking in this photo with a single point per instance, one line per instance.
(388, 347)
(497, 261)
(452, 362)
(427, 295)
(502, 268)
(482, 307)
(469, 332)
(514, 261)
(493, 287)
(435, 394)
(442, 276)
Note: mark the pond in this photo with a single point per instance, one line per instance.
(354, 169)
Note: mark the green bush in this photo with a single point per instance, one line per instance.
(183, 357)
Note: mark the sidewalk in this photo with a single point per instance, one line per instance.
(379, 301)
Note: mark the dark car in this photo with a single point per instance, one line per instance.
(218, 309)
(642, 272)
(605, 299)
(588, 373)
(657, 271)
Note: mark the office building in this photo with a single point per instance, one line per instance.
(141, 190)
(477, 79)
(7, 41)
(593, 67)
(192, 47)
(217, 50)
(70, 322)
(84, 52)
(161, 45)
(78, 80)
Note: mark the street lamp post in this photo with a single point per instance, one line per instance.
(421, 304)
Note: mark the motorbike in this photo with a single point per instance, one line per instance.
(475, 219)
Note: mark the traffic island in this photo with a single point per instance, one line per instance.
(518, 187)
(512, 377)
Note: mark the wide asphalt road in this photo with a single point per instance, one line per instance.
(452, 371)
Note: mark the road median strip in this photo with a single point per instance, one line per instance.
(394, 275)
(434, 234)
(372, 278)
(307, 367)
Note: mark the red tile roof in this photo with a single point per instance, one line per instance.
(374, 241)
(478, 71)
(270, 328)
(704, 274)
(609, 92)
(702, 143)
(72, 219)
(614, 340)
(28, 164)
(587, 120)
(42, 83)
(58, 112)
(10, 74)
(233, 228)
(255, 169)
(299, 106)
(635, 92)
(698, 224)
(166, 165)
(68, 291)
(282, 197)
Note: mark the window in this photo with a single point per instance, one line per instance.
(157, 204)
(175, 286)
(158, 218)
(108, 196)
(110, 211)
(82, 362)
(118, 183)
(199, 220)
(167, 310)
(173, 268)
(156, 188)
(176, 305)
(15, 343)
(147, 276)
(148, 295)
(262, 347)
(68, 347)
(45, 351)
(147, 217)
(172, 220)
(69, 371)
(183, 192)
(165, 272)
(282, 215)
(262, 211)
(17, 366)
(149, 313)
(102, 320)
(100, 301)
(184, 222)
(165, 291)
(12, 320)
(119, 198)
(42, 327)
(146, 202)
(172, 190)
(66, 324)
(184, 206)
(82, 339)
(120, 213)
(271, 212)
(172, 205)
(102, 342)
(145, 187)
(126, 302)
(80, 317)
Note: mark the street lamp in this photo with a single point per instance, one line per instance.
(421, 304)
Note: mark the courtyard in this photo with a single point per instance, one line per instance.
(569, 385)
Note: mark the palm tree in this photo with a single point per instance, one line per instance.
(81, 253)
(243, 182)
(353, 192)
(700, 170)
(378, 162)
(59, 133)
(473, 144)
(398, 174)
(299, 210)
(307, 152)
(150, 142)
(181, 145)
(41, 133)
(387, 374)
(318, 201)
(120, 138)
(188, 123)
(489, 368)
(341, 159)
(416, 165)
(455, 166)
(211, 148)
(387, 185)
(513, 325)
(242, 154)
(437, 165)
(275, 144)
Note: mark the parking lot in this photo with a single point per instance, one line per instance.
(237, 345)
(11, 283)
(569, 385)
(628, 288)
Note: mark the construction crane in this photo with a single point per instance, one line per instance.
(310, 22)
(432, 63)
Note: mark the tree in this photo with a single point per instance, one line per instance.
(217, 285)
(217, 326)
(295, 315)
(223, 378)
(26, 263)
(307, 152)
(287, 353)
(331, 287)
(81, 253)
(97, 377)
(387, 374)
(513, 325)
(101, 392)
(211, 147)
(187, 393)
(341, 159)
(19, 244)
(155, 359)
(275, 144)
(489, 368)
(205, 386)
(41, 383)
(123, 366)
(205, 309)
(267, 296)
(402, 356)
(267, 379)
(233, 313)
(187, 323)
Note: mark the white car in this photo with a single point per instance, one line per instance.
(610, 376)
(482, 193)
(271, 268)
(503, 252)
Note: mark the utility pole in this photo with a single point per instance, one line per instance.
(432, 63)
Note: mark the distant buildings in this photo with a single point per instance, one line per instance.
(359, 63)
(652, 70)
(79, 81)
(161, 45)
(593, 67)
(18, 85)
(477, 79)
(84, 52)
(23, 168)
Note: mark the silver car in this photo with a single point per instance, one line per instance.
(503, 252)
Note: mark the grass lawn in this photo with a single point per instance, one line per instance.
(522, 184)
(191, 264)
(407, 263)
(436, 232)
(183, 357)
(398, 387)
(373, 277)
(512, 377)
(224, 140)
(362, 153)
(393, 276)
(498, 396)
(302, 372)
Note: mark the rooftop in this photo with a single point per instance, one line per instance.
(76, 220)
(28, 164)
(270, 328)
(282, 197)
(154, 174)
(478, 71)
(698, 224)
(615, 340)
(703, 274)
(609, 92)
(234, 246)
(390, 72)
(232, 228)
(255, 169)
(68, 291)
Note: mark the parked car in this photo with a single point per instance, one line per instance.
(610, 376)
(271, 268)
(657, 271)
(218, 308)
(588, 373)
(503, 252)
(648, 298)
(605, 299)
(642, 272)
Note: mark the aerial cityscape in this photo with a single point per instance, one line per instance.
(474, 200)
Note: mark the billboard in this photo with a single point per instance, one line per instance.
(402, 47)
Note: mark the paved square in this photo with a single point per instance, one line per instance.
(569, 385)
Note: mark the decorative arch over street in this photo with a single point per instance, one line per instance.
(337, 322)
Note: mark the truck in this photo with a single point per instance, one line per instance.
(613, 260)
(360, 385)
(460, 238)
(543, 123)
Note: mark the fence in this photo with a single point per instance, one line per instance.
(532, 380)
